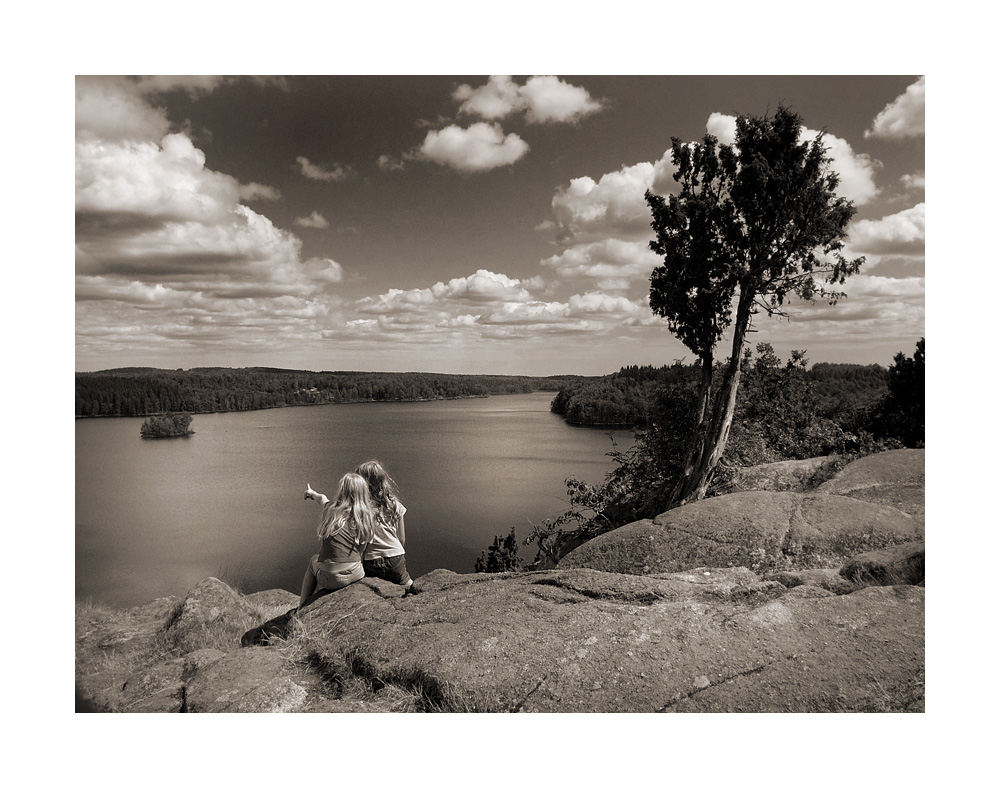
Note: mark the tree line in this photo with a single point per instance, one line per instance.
(143, 391)
(628, 398)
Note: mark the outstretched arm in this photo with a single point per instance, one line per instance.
(321, 499)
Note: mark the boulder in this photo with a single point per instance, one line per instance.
(210, 607)
(99, 631)
(763, 531)
(890, 478)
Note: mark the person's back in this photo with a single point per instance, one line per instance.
(341, 547)
(385, 557)
(345, 530)
(385, 537)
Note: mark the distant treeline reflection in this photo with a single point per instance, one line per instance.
(141, 391)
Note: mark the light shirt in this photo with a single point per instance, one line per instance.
(386, 543)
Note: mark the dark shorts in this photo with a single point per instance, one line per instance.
(392, 569)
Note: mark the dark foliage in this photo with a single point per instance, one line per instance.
(501, 555)
(901, 414)
(140, 392)
(170, 425)
(623, 399)
(628, 398)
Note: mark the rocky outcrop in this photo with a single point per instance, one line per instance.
(756, 602)
(569, 640)
(763, 531)
(891, 478)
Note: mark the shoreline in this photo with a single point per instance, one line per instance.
(311, 404)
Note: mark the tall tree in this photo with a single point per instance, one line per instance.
(754, 223)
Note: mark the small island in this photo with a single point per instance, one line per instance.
(170, 425)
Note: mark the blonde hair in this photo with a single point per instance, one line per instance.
(353, 508)
(382, 489)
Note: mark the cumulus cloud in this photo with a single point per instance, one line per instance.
(492, 305)
(550, 100)
(616, 263)
(324, 270)
(316, 172)
(165, 248)
(481, 287)
(894, 243)
(905, 230)
(542, 99)
(614, 205)
(479, 148)
(112, 109)
(257, 191)
(314, 220)
(531, 313)
(722, 127)
(602, 303)
(164, 180)
(856, 170)
(913, 181)
(876, 306)
(903, 117)
(389, 164)
(495, 100)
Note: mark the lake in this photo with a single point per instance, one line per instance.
(155, 517)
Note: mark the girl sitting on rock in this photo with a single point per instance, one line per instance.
(385, 557)
(346, 528)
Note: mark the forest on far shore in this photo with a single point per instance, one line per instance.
(627, 398)
(144, 391)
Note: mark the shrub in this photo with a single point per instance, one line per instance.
(501, 556)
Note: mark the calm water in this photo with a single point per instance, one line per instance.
(153, 518)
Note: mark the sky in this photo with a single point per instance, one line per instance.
(449, 224)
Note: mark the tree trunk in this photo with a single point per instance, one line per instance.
(696, 445)
(712, 434)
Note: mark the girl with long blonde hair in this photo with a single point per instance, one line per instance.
(346, 528)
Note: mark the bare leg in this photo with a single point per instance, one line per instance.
(308, 583)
